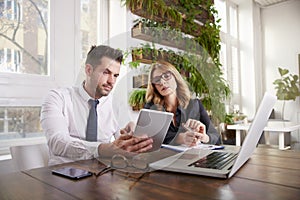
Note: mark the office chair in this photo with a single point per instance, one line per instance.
(29, 156)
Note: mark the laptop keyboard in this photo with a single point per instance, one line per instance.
(215, 160)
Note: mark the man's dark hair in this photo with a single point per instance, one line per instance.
(96, 53)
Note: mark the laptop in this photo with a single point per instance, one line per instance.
(154, 124)
(208, 162)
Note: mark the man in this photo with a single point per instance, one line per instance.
(65, 112)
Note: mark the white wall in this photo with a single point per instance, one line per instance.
(120, 23)
(281, 36)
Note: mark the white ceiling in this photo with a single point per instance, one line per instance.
(265, 3)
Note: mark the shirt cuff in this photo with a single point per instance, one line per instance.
(92, 147)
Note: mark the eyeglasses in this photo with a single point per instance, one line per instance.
(165, 76)
(137, 164)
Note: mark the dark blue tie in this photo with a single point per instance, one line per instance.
(92, 123)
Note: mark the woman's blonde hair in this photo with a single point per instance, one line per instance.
(182, 91)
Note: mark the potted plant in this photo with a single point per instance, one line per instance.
(287, 87)
(137, 99)
(228, 136)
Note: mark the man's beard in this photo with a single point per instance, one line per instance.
(101, 92)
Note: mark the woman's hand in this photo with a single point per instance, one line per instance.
(195, 133)
(195, 125)
(188, 138)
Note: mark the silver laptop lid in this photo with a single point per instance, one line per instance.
(256, 128)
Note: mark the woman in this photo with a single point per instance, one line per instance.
(168, 91)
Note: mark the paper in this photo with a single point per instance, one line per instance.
(181, 148)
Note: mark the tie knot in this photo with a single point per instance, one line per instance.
(93, 102)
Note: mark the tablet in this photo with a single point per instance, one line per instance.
(154, 124)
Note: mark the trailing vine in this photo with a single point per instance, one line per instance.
(201, 56)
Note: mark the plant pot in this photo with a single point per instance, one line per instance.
(228, 136)
(137, 54)
(137, 107)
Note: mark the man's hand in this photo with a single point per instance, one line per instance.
(126, 143)
(130, 143)
(129, 128)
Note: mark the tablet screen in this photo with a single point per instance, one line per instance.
(154, 124)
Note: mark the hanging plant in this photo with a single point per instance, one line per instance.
(154, 9)
(203, 71)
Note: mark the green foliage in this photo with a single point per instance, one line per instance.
(204, 77)
(229, 119)
(287, 85)
(155, 7)
(137, 98)
(201, 58)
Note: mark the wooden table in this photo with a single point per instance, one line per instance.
(281, 127)
(269, 174)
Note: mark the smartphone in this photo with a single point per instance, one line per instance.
(72, 173)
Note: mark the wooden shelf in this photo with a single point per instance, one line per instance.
(203, 17)
(142, 58)
(139, 32)
(185, 26)
(149, 59)
(182, 43)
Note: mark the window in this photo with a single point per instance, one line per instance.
(90, 22)
(85, 6)
(230, 53)
(41, 47)
(9, 60)
(8, 9)
(19, 122)
(23, 68)
(22, 38)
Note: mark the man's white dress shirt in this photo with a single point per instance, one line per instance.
(64, 117)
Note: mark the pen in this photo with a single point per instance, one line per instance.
(215, 147)
(189, 129)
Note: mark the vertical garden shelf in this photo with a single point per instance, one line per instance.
(190, 24)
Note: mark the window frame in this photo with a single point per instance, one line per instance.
(64, 41)
(28, 90)
(230, 41)
(24, 84)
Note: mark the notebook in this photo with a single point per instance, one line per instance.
(154, 124)
(200, 162)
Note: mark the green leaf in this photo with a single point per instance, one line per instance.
(287, 86)
(283, 71)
